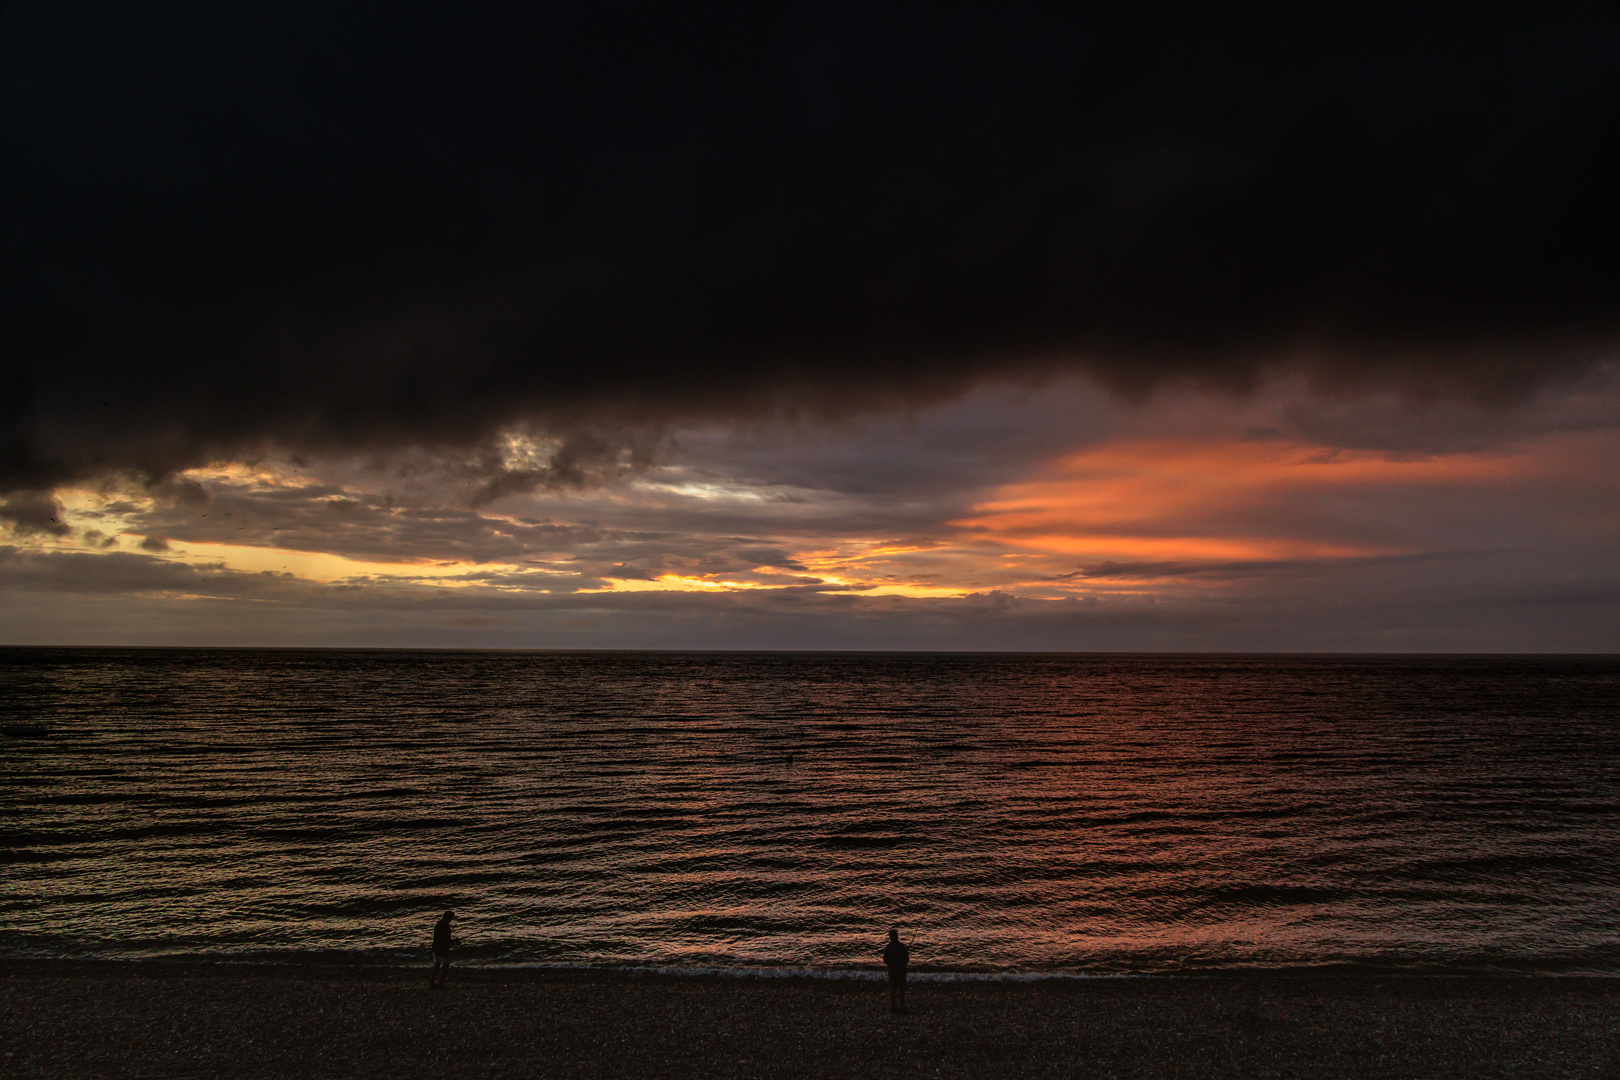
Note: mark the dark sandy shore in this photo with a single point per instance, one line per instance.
(67, 1019)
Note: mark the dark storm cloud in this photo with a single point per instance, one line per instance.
(32, 512)
(344, 226)
(70, 573)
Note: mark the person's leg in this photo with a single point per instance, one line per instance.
(902, 989)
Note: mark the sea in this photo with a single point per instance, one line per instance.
(1014, 816)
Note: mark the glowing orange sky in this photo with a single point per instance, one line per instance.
(1167, 499)
(1198, 499)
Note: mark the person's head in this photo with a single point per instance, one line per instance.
(894, 933)
(449, 915)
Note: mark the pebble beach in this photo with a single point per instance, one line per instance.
(153, 1019)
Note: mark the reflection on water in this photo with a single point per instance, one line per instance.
(1035, 812)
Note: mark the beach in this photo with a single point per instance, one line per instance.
(138, 1019)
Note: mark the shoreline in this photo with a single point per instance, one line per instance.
(524, 970)
(68, 1018)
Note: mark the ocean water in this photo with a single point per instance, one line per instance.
(1049, 813)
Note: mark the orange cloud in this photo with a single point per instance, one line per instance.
(1215, 500)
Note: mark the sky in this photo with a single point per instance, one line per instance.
(1176, 327)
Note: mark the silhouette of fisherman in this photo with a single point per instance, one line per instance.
(895, 957)
(441, 949)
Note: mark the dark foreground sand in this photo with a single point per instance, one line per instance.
(65, 1019)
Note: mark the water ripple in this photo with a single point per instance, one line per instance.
(1056, 813)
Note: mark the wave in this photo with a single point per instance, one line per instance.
(1030, 817)
(410, 960)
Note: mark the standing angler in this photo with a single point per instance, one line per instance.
(895, 957)
(441, 949)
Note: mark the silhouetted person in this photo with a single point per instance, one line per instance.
(441, 949)
(895, 957)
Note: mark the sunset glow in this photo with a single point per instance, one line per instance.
(827, 336)
(1144, 517)
(592, 539)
